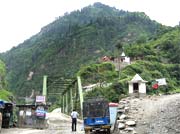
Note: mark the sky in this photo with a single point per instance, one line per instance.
(21, 19)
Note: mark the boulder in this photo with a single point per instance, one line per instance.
(121, 125)
(130, 123)
(120, 121)
(129, 129)
(123, 116)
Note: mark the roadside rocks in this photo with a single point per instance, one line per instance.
(122, 117)
(149, 115)
(121, 126)
(125, 123)
(130, 123)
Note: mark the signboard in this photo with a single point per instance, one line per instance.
(161, 81)
(40, 99)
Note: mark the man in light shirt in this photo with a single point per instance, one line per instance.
(74, 116)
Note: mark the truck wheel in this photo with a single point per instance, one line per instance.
(108, 131)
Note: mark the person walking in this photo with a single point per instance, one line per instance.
(74, 116)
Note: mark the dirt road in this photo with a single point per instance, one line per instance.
(58, 124)
(157, 115)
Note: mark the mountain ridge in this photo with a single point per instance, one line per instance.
(74, 40)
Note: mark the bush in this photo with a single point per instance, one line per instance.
(5, 95)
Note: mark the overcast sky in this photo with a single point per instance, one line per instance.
(20, 19)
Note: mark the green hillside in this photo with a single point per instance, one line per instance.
(157, 58)
(72, 41)
(4, 94)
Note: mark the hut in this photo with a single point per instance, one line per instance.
(137, 86)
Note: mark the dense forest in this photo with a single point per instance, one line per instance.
(78, 39)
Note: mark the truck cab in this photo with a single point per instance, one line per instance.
(96, 116)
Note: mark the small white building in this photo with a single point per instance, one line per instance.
(137, 86)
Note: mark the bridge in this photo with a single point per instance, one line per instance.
(69, 91)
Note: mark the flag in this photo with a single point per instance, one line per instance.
(155, 85)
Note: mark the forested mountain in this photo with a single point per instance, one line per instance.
(74, 40)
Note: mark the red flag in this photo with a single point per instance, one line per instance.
(155, 86)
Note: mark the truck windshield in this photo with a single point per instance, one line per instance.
(95, 109)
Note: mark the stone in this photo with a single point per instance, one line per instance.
(134, 132)
(123, 116)
(126, 108)
(121, 126)
(123, 102)
(121, 106)
(129, 129)
(120, 121)
(130, 123)
(121, 111)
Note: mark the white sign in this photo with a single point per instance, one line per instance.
(40, 99)
(28, 113)
(161, 81)
(21, 113)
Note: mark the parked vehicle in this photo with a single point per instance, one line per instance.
(96, 116)
(1, 111)
(7, 115)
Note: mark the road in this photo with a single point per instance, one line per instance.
(157, 114)
(58, 124)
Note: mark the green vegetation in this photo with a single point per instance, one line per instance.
(3, 83)
(157, 58)
(72, 41)
(4, 94)
(97, 73)
(73, 44)
(103, 73)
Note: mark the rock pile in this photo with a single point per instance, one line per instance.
(125, 123)
(149, 115)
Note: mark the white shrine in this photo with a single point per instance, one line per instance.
(137, 86)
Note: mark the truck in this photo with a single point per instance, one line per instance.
(96, 117)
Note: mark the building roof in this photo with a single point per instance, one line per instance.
(137, 79)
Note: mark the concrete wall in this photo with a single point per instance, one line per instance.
(130, 88)
(142, 88)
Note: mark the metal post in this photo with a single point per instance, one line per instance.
(44, 86)
(80, 92)
(66, 102)
(71, 99)
(63, 104)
